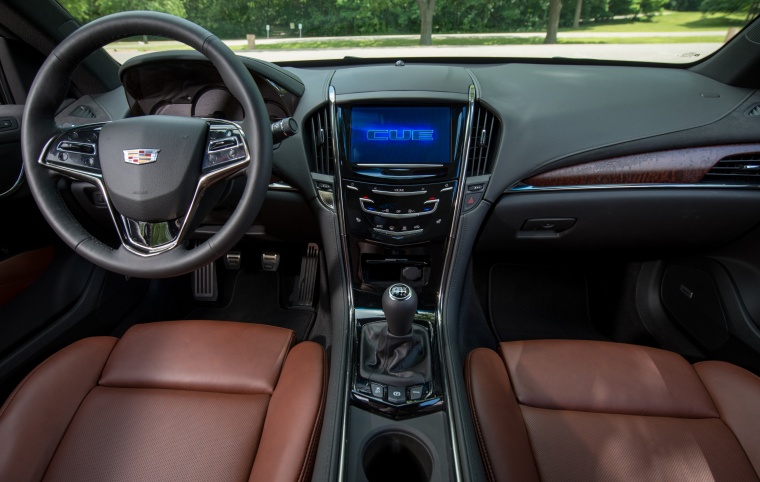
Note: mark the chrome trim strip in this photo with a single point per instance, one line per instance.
(445, 280)
(402, 215)
(349, 336)
(281, 186)
(17, 184)
(399, 193)
(386, 232)
(401, 166)
(595, 187)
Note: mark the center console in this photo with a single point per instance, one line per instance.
(398, 181)
(399, 169)
(400, 152)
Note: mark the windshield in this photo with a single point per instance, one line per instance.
(675, 31)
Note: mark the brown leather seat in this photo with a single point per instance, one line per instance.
(183, 400)
(581, 411)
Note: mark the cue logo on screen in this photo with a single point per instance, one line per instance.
(401, 135)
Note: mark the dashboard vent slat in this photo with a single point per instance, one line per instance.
(737, 169)
(483, 136)
(323, 156)
(754, 111)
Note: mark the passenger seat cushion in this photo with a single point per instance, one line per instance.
(571, 410)
(498, 422)
(736, 393)
(597, 376)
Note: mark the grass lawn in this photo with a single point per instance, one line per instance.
(665, 22)
(668, 22)
(481, 41)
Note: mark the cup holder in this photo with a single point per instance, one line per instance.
(397, 456)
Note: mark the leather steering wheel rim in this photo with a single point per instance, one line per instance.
(38, 127)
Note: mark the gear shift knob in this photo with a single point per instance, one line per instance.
(399, 307)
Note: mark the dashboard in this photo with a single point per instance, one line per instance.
(412, 168)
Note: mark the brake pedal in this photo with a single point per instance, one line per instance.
(233, 260)
(303, 292)
(270, 261)
(205, 285)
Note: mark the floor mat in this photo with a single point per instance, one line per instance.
(528, 303)
(254, 297)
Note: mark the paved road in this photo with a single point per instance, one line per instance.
(670, 53)
(676, 52)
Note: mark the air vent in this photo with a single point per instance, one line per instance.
(738, 169)
(485, 133)
(754, 111)
(323, 157)
(83, 112)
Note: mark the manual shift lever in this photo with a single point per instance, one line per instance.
(396, 352)
(399, 307)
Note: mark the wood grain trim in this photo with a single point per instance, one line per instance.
(681, 166)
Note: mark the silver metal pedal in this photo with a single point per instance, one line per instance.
(233, 260)
(205, 286)
(270, 261)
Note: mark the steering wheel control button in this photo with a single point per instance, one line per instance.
(378, 391)
(415, 392)
(224, 146)
(471, 199)
(396, 394)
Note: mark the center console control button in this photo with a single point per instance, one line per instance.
(396, 394)
(415, 392)
(377, 390)
(398, 214)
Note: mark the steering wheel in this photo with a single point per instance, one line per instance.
(152, 171)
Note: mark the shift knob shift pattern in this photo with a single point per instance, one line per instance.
(399, 307)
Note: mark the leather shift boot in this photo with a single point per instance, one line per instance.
(395, 360)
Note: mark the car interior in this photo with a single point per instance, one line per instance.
(214, 267)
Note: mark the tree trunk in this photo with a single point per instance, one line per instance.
(577, 17)
(555, 6)
(427, 7)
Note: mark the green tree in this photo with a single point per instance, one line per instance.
(427, 8)
(552, 26)
(731, 6)
(174, 7)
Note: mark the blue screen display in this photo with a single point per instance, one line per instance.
(400, 135)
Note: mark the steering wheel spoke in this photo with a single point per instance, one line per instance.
(74, 153)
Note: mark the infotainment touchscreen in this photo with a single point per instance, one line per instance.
(400, 135)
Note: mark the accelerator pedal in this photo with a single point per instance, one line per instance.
(205, 285)
(303, 292)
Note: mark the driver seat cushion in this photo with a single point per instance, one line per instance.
(576, 410)
(183, 400)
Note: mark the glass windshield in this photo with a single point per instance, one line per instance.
(675, 31)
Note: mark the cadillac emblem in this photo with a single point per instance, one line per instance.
(141, 156)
